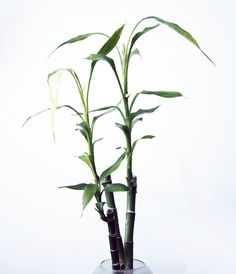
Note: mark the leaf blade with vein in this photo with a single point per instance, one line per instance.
(116, 187)
(77, 39)
(111, 42)
(75, 187)
(142, 138)
(112, 168)
(89, 191)
(143, 111)
(165, 94)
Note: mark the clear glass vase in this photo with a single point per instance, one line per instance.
(105, 267)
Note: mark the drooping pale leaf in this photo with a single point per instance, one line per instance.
(111, 42)
(139, 34)
(75, 187)
(78, 38)
(143, 111)
(144, 137)
(54, 79)
(75, 77)
(115, 187)
(165, 94)
(180, 31)
(112, 168)
(89, 191)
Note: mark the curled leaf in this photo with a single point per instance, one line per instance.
(144, 137)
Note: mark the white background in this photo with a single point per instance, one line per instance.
(186, 175)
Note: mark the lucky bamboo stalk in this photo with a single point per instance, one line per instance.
(110, 199)
(111, 222)
(129, 225)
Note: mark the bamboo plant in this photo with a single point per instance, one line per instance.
(102, 188)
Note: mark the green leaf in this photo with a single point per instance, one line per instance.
(48, 109)
(139, 34)
(84, 129)
(85, 158)
(103, 57)
(108, 109)
(76, 187)
(136, 121)
(89, 191)
(143, 111)
(165, 94)
(112, 168)
(180, 31)
(98, 57)
(98, 140)
(144, 137)
(100, 205)
(111, 42)
(135, 52)
(116, 187)
(124, 128)
(77, 39)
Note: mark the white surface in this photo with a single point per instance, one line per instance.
(186, 198)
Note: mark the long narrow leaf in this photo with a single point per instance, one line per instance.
(111, 42)
(139, 34)
(165, 94)
(144, 137)
(98, 57)
(76, 187)
(143, 111)
(180, 31)
(112, 168)
(77, 39)
(48, 109)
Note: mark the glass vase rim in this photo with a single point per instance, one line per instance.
(143, 265)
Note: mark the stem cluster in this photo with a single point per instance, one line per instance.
(121, 254)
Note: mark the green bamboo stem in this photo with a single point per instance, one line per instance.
(129, 226)
(111, 205)
(112, 239)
